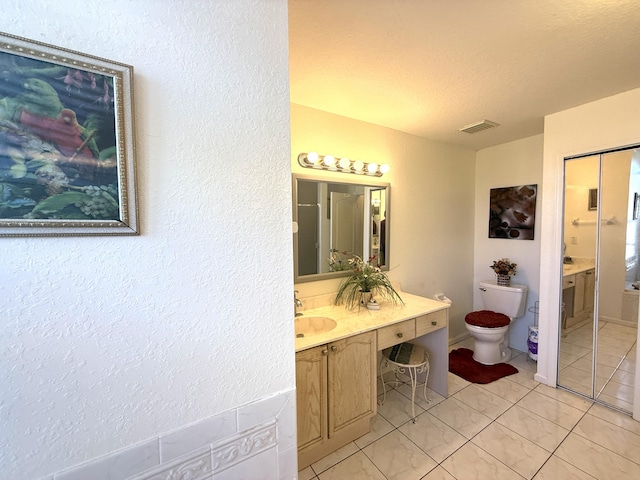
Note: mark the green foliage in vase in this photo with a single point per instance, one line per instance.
(366, 277)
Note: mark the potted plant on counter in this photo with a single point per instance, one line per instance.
(503, 269)
(366, 280)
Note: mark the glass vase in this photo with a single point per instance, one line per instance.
(503, 280)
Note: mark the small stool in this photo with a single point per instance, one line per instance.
(406, 358)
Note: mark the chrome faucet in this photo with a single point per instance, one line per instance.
(296, 303)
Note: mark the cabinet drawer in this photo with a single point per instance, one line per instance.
(396, 333)
(568, 281)
(430, 322)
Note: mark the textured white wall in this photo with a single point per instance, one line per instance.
(581, 175)
(508, 165)
(107, 341)
(431, 208)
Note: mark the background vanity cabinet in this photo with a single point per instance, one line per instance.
(577, 295)
(335, 385)
(584, 292)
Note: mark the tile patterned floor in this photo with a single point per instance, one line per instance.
(513, 428)
(615, 363)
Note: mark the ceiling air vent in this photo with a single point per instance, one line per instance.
(478, 126)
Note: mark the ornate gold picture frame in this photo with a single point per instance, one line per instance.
(67, 164)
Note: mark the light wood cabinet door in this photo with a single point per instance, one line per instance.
(351, 380)
(311, 395)
(578, 295)
(589, 288)
(568, 281)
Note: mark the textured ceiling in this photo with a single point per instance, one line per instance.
(430, 67)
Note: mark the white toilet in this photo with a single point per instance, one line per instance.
(490, 327)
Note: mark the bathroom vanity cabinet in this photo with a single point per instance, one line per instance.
(583, 298)
(335, 391)
(336, 370)
(410, 329)
(577, 295)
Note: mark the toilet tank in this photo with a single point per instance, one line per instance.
(507, 300)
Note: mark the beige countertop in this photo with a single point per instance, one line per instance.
(353, 322)
(573, 268)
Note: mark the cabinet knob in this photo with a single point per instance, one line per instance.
(399, 334)
(334, 348)
(325, 352)
(434, 323)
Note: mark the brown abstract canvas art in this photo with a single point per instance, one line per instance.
(512, 212)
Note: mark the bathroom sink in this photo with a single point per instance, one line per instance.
(309, 326)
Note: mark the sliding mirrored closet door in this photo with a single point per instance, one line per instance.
(601, 275)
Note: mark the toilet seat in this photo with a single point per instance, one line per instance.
(487, 319)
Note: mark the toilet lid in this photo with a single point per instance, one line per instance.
(487, 319)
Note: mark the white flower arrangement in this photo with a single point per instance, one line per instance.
(504, 267)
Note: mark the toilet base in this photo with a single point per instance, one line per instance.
(490, 346)
(490, 353)
(487, 353)
(506, 354)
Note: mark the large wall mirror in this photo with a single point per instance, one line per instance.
(601, 276)
(337, 220)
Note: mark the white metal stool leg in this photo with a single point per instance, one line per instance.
(413, 375)
(424, 385)
(419, 365)
(384, 388)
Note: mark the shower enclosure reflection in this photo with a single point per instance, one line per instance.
(600, 276)
(336, 221)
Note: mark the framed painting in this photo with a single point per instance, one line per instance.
(67, 163)
(512, 212)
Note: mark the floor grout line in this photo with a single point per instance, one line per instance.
(427, 410)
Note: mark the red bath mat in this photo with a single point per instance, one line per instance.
(461, 363)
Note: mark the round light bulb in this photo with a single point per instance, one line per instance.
(384, 168)
(358, 165)
(344, 163)
(312, 157)
(329, 160)
(372, 167)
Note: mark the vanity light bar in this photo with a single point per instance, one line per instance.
(345, 165)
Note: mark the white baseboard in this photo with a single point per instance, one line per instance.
(617, 321)
(459, 338)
